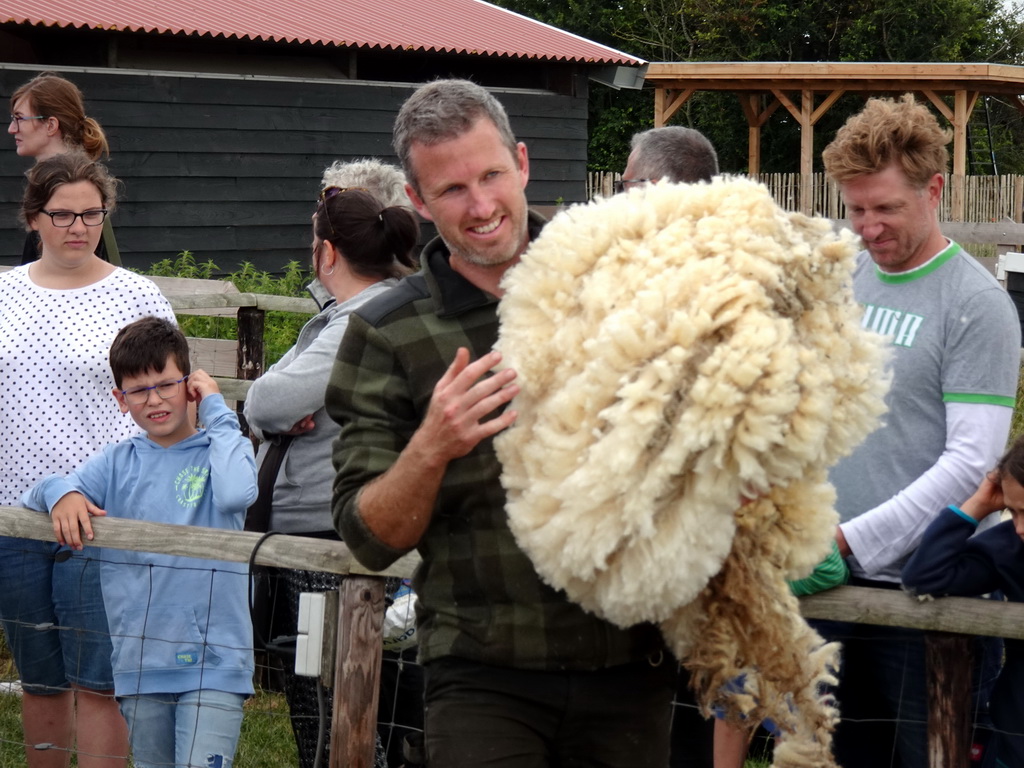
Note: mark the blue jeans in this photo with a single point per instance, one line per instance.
(198, 729)
(52, 609)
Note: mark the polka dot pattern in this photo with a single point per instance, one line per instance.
(56, 409)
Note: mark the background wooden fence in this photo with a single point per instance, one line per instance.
(986, 198)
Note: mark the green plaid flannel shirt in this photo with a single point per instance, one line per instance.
(479, 595)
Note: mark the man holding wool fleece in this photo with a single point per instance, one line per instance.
(515, 673)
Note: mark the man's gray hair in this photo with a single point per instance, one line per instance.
(384, 181)
(681, 154)
(444, 110)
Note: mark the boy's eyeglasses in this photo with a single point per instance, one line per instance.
(65, 219)
(140, 395)
(326, 194)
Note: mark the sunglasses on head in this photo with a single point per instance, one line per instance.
(330, 192)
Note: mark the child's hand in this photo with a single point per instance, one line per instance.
(70, 517)
(201, 384)
(987, 499)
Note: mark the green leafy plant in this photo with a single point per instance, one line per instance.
(184, 265)
(281, 328)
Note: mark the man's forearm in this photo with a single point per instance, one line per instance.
(398, 505)
(841, 543)
(882, 536)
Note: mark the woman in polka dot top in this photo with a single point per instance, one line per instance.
(58, 316)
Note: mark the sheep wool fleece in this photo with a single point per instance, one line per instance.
(681, 348)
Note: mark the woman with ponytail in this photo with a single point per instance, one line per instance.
(48, 118)
(361, 247)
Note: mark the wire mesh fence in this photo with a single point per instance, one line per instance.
(271, 715)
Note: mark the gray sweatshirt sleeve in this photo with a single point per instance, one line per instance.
(294, 387)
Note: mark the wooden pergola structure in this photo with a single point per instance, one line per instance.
(808, 89)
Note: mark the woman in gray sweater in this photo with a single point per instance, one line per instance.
(361, 247)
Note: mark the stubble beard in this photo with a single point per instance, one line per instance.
(490, 259)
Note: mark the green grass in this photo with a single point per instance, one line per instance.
(11, 751)
(266, 740)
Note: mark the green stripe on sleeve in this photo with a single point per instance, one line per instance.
(967, 397)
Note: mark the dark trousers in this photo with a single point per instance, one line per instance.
(692, 734)
(482, 716)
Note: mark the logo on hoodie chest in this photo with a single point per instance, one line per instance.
(190, 484)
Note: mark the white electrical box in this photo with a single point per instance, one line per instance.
(1009, 262)
(309, 644)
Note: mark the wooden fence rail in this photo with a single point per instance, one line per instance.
(357, 646)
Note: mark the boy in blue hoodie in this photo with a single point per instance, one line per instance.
(180, 627)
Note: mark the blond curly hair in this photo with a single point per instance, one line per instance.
(885, 132)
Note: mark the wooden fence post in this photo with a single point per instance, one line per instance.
(1018, 199)
(357, 672)
(250, 343)
(251, 322)
(948, 661)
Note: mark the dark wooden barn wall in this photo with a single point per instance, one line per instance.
(228, 167)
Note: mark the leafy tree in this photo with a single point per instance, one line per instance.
(782, 30)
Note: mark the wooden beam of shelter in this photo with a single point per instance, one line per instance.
(965, 82)
(939, 104)
(807, 116)
(826, 105)
(750, 103)
(668, 102)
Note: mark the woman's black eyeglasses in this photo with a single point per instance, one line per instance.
(64, 219)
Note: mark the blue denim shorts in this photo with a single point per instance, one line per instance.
(51, 604)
